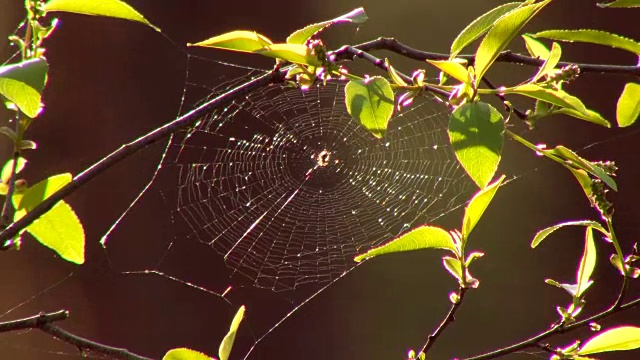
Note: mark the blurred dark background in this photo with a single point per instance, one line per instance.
(112, 81)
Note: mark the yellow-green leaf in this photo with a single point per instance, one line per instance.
(109, 8)
(370, 101)
(476, 133)
(559, 98)
(59, 228)
(393, 74)
(480, 26)
(616, 339)
(295, 53)
(185, 354)
(477, 206)
(571, 159)
(592, 36)
(239, 40)
(452, 68)
(453, 266)
(542, 234)
(535, 47)
(628, 108)
(550, 62)
(357, 16)
(621, 4)
(502, 32)
(587, 262)
(7, 169)
(227, 342)
(423, 237)
(22, 84)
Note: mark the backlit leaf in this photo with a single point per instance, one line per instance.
(587, 262)
(550, 62)
(616, 339)
(476, 132)
(109, 8)
(453, 266)
(240, 40)
(59, 228)
(294, 53)
(621, 4)
(535, 48)
(452, 68)
(592, 36)
(22, 84)
(184, 354)
(7, 169)
(542, 234)
(559, 98)
(477, 206)
(423, 237)
(357, 16)
(480, 26)
(502, 32)
(227, 342)
(370, 101)
(628, 108)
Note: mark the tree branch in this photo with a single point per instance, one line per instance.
(44, 322)
(394, 45)
(450, 318)
(133, 147)
(560, 329)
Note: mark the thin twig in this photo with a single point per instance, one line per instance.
(394, 45)
(86, 344)
(33, 322)
(450, 318)
(44, 322)
(555, 330)
(133, 147)
(351, 51)
(508, 107)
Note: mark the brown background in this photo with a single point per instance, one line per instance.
(112, 81)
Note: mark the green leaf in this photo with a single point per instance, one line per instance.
(240, 40)
(587, 263)
(480, 26)
(621, 4)
(584, 180)
(184, 354)
(542, 234)
(423, 237)
(59, 228)
(476, 132)
(22, 84)
(477, 206)
(357, 16)
(8, 168)
(370, 101)
(453, 266)
(592, 36)
(535, 48)
(472, 257)
(393, 74)
(588, 115)
(616, 339)
(628, 108)
(558, 98)
(571, 159)
(227, 342)
(550, 62)
(502, 32)
(453, 68)
(294, 53)
(109, 8)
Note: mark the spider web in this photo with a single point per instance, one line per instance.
(288, 187)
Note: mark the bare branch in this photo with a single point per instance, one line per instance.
(33, 322)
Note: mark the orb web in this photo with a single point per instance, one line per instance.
(288, 187)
